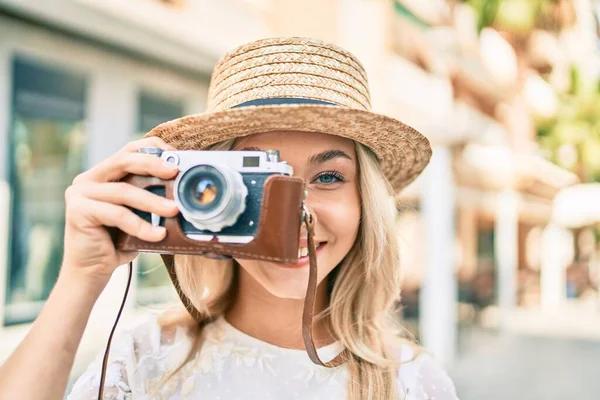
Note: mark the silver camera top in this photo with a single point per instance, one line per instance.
(240, 161)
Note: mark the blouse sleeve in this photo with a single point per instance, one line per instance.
(422, 378)
(117, 380)
(137, 357)
(433, 382)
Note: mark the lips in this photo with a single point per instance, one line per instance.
(303, 250)
(304, 260)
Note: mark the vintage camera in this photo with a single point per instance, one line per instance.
(219, 193)
(243, 204)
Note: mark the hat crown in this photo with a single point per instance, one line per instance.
(300, 68)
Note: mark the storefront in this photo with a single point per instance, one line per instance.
(65, 104)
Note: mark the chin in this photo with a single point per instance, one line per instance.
(292, 294)
(284, 283)
(287, 288)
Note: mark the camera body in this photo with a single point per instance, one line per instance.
(219, 193)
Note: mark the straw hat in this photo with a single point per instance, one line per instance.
(298, 84)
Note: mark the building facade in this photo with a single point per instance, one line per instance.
(78, 80)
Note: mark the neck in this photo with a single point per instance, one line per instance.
(275, 320)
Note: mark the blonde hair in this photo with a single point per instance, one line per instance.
(365, 290)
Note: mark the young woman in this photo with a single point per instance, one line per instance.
(309, 100)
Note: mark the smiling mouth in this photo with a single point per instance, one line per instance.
(303, 259)
(303, 251)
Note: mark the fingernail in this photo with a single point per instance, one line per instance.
(160, 230)
(170, 165)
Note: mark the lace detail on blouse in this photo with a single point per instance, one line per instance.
(235, 366)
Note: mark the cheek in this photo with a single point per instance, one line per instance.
(344, 220)
(338, 220)
(338, 216)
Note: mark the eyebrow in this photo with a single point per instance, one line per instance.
(328, 155)
(318, 158)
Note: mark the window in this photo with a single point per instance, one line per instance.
(485, 248)
(46, 151)
(154, 284)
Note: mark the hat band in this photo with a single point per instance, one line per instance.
(282, 100)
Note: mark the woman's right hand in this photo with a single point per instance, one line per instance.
(95, 201)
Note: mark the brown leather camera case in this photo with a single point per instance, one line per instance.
(276, 238)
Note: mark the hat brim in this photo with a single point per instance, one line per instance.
(403, 152)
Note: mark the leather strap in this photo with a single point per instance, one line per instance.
(112, 332)
(309, 299)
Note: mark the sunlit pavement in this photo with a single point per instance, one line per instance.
(491, 365)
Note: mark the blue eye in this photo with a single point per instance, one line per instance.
(328, 178)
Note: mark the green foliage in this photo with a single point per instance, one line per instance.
(486, 11)
(571, 138)
(515, 16)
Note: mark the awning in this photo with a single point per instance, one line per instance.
(193, 38)
(498, 167)
(426, 102)
(482, 171)
(577, 206)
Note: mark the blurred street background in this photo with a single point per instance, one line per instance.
(500, 235)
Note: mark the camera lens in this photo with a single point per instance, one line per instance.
(205, 192)
(211, 196)
(202, 188)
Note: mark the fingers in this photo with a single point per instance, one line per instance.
(122, 164)
(121, 193)
(120, 217)
(151, 141)
(129, 161)
(100, 213)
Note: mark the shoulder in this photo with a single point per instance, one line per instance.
(421, 376)
(148, 337)
(152, 340)
(145, 352)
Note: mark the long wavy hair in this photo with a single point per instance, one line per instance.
(363, 290)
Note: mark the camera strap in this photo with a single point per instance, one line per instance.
(309, 300)
(112, 332)
(307, 315)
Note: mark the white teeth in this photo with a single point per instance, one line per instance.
(303, 251)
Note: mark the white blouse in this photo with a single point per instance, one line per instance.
(235, 366)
